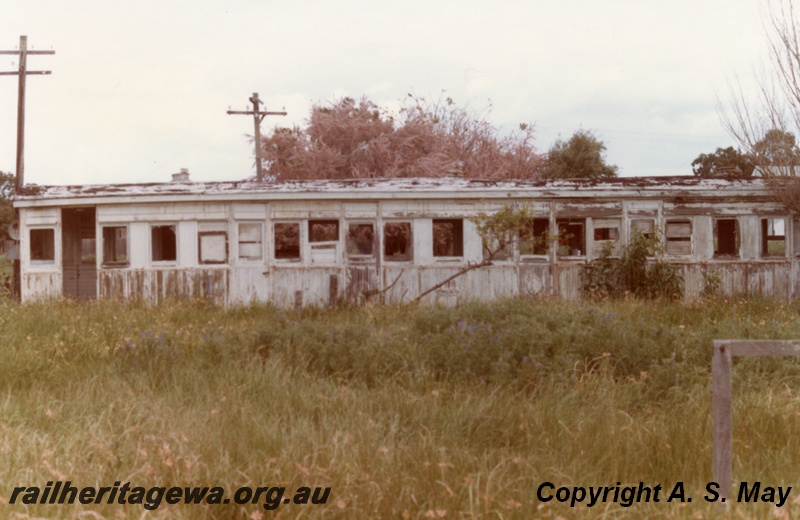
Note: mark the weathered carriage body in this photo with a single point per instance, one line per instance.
(317, 242)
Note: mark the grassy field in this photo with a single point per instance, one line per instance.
(403, 411)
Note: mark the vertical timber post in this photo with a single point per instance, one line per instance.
(258, 116)
(23, 73)
(333, 290)
(23, 57)
(257, 135)
(722, 351)
(721, 417)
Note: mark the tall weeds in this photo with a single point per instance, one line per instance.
(405, 411)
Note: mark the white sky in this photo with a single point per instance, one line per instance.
(140, 89)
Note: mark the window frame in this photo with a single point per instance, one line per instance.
(505, 255)
(201, 235)
(115, 264)
(736, 255)
(350, 224)
(765, 238)
(536, 252)
(47, 245)
(635, 227)
(677, 238)
(457, 242)
(317, 246)
(408, 254)
(260, 243)
(88, 254)
(164, 262)
(599, 243)
(275, 243)
(571, 221)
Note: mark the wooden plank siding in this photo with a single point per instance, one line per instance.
(165, 284)
(254, 268)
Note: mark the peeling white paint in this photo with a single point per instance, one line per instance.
(215, 260)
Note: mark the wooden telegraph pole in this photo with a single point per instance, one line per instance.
(23, 72)
(258, 116)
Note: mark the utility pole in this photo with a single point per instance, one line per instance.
(258, 116)
(23, 72)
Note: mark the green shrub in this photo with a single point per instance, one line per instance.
(6, 274)
(640, 271)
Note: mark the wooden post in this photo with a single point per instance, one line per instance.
(722, 406)
(722, 463)
(298, 300)
(257, 134)
(258, 116)
(23, 73)
(23, 56)
(333, 290)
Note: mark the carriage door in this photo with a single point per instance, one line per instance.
(79, 253)
(361, 250)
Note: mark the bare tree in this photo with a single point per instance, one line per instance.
(773, 113)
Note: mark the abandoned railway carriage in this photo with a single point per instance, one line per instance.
(316, 242)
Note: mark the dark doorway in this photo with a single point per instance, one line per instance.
(79, 255)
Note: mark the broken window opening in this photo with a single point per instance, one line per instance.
(397, 242)
(360, 239)
(726, 238)
(323, 230)
(88, 250)
(287, 241)
(533, 237)
(212, 247)
(43, 247)
(773, 237)
(502, 252)
(606, 233)
(571, 236)
(602, 234)
(115, 246)
(678, 234)
(448, 237)
(164, 243)
(642, 226)
(251, 241)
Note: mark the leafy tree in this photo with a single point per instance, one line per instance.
(725, 162)
(580, 157)
(777, 148)
(7, 185)
(357, 139)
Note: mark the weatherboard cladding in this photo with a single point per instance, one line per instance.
(325, 272)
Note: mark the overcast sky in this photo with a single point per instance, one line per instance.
(140, 89)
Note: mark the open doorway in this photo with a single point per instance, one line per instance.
(79, 258)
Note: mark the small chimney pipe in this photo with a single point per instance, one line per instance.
(183, 176)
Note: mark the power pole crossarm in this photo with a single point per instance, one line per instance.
(28, 72)
(258, 116)
(23, 72)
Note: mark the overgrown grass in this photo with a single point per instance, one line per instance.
(404, 411)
